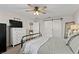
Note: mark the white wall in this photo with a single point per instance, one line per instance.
(76, 16)
(5, 16)
(65, 19)
(42, 28)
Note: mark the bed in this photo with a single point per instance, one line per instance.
(49, 45)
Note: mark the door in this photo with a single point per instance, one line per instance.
(48, 28)
(2, 38)
(57, 29)
(53, 28)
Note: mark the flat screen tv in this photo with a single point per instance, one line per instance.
(14, 23)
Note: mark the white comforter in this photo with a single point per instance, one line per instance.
(32, 46)
(54, 45)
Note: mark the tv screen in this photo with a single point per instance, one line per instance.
(14, 23)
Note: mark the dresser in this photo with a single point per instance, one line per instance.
(16, 35)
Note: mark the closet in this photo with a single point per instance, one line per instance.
(48, 28)
(53, 28)
(57, 28)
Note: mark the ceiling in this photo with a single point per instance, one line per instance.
(52, 9)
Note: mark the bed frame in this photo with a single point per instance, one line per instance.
(31, 37)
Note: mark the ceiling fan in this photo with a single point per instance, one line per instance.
(36, 9)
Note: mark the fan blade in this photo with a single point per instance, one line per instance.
(41, 12)
(28, 10)
(30, 5)
(42, 9)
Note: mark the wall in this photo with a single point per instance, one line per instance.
(65, 19)
(5, 16)
(76, 16)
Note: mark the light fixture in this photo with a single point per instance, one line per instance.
(36, 13)
(37, 10)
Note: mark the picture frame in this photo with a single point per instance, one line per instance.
(67, 27)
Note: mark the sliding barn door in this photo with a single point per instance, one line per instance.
(48, 28)
(57, 28)
(53, 28)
